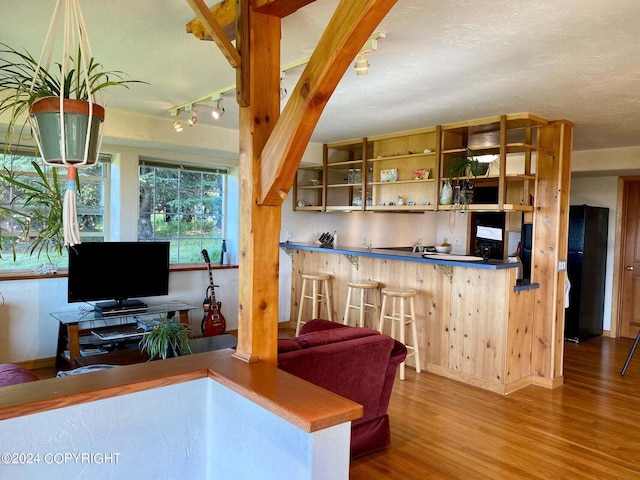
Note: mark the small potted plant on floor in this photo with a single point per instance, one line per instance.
(168, 338)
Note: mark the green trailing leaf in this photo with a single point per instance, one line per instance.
(39, 202)
(462, 166)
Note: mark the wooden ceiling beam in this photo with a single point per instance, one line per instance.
(215, 31)
(225, 15)
(349, 28)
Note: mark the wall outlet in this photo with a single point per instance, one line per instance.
(457, 242)
(562, 265)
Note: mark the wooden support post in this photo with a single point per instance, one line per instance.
(259, 224)
(550, 232)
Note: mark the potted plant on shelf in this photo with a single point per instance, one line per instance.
(467, 166)
(168, 338)
(26, 87)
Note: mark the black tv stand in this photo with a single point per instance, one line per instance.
(119, 307)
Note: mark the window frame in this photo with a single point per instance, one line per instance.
(212, 243)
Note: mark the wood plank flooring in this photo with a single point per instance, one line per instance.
(589, 428)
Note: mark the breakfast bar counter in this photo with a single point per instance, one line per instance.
(473, 322)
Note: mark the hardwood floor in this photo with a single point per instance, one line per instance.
(589, 428)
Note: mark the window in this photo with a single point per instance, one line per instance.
(183, 205)
(20, 231)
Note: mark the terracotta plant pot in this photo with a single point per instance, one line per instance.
(46, 115)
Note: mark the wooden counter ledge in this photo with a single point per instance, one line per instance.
(303, 404)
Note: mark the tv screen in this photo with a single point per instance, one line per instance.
(118, 272)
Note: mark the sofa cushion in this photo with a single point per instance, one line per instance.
(318, 324)
(325, 337)
(13, 374)
(288, 345)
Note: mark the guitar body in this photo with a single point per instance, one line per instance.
(213, 322)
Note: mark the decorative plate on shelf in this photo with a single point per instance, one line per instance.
(389, 175)
(421, 173)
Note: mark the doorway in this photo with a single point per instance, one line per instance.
(629, 259)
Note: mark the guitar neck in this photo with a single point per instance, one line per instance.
(213, 290)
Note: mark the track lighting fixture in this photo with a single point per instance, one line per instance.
(219, 110)
(371, 45)
(193, 116)
(176, 124)
(361, 65)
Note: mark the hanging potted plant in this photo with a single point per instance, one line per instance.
(57, 98)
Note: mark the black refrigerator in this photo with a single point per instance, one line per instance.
(586, 265)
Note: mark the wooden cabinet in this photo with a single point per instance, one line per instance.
(345, 175)
(404, 170)
(308, 188)
(508, 144)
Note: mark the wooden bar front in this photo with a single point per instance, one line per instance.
(473, 325)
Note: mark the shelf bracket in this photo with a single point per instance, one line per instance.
(354, 260)
(447, 271)
(288, 251)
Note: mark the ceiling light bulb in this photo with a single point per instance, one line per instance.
(218, 111)
(361, 65)
(177, 125)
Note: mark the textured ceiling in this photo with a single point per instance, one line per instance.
(441, 61)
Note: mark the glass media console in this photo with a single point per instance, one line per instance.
(83, 333)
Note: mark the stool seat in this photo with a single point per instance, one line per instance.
(362, 284)
(399, 297)
(316, 276)
(320, 294)
(362, 306)
(399, 292)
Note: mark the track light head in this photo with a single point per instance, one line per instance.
(177, 126)
(361, 65)
(193, 118)
(219, 110)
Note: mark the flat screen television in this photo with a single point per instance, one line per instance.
(119, 272)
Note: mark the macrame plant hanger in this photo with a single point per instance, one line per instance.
(75, 42)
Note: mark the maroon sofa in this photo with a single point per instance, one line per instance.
(357, 363)
(11, 374)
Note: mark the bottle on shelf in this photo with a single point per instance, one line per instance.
(223, 250)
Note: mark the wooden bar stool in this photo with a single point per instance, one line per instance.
(320, 293)
(364, 286)
(399, 297)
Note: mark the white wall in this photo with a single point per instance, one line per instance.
(196, 430)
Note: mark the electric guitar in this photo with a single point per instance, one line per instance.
(213, 322)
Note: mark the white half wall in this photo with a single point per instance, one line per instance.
(197, 430)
